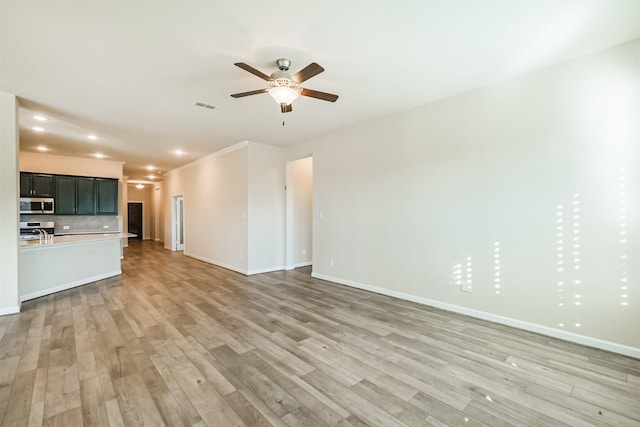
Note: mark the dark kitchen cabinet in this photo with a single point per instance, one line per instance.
(85, 196)
(106, 196)
(36, 185)
(75, 195)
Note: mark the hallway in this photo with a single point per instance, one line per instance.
(179, 342)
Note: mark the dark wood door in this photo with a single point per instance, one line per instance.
(135, 220)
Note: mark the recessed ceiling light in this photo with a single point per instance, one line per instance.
(99, 155)
(150, 168)
(179, 152)
(139, 186)
(40, 118)
(42, 148)
(92, 137)
(38, 129)
(151, 177)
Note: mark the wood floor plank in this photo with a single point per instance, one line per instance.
(176, 341)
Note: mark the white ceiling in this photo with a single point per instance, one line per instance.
(130, 72)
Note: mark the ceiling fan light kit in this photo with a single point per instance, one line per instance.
(285, 87)
(284, 90)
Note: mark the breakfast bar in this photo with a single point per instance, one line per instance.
(47, 266)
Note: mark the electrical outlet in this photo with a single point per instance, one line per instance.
(65, 227)
(304, 252)
(331, 262)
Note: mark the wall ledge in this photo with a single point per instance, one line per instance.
(520, 324)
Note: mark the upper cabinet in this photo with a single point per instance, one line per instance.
(106, 196)
(36, 185)
(78, 195)
(75, 195)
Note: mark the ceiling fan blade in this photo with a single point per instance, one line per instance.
(286, 108)
(253, 92)
(253, 71)
(319, 95)
(307, 72)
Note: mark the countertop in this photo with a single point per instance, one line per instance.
(72, 239)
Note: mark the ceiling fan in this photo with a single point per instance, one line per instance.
(285, 86)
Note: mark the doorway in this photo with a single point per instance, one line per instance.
(134, 214)
(299, 242)
(178, 223)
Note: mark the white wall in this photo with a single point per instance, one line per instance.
(484, 178)
(233, 207)
(215, 190)
(266, 215)
(299, 212)
(9, 219)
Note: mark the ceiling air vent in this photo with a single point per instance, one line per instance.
(205, 105)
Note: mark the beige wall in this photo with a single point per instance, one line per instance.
(9, 219)
(143, 196)
(157, 218)
(64, 165)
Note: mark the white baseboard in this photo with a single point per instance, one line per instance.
(265, 270)
(218, 263)
(9, 310)
(70, 285)
(520, 324)
(300, 264)
(234, 268)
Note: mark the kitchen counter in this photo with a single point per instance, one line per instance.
(71, 239)
(67, 262)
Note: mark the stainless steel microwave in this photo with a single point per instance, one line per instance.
(33, 205)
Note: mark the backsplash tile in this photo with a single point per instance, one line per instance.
(78, 223)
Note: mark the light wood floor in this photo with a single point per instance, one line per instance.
(175, 341)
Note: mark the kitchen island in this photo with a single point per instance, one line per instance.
(46, 267)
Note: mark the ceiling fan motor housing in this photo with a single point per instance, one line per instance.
(283, 64)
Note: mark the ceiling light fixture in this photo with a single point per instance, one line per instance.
(42, 148)
(151, 177)
(139, 186)
(93, 137)
(179, 152)
(150, 168)
(40, 118)
(284, 91)
(99, 155)
(38, 129)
